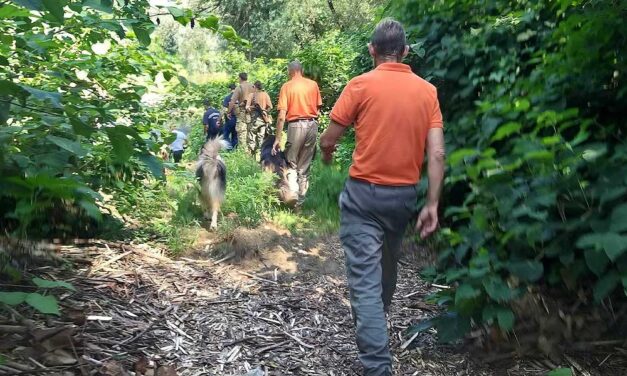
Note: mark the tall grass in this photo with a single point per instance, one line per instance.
(170, 211)
(326, 183)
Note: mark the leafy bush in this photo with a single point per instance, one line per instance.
(533, 95)
(326, 183)
(72, 120)
(332, 62)
(43, 303)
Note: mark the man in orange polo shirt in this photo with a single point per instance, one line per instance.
(397, 118)
(299, 104)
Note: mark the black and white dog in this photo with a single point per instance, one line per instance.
(277, 164)
(211, 174)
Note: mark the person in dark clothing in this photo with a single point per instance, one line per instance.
(229, 131)
(211, 121)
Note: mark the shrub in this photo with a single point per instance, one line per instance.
(532, 94)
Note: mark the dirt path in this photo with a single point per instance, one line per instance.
(283, 312)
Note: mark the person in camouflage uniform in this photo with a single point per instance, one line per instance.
(258, 106)
(238, 104)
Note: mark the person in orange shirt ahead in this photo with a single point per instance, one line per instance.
(299, 104)
(379, 199)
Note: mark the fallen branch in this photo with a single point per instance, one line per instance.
(299, 340)
(256, 277)
(409, 341)
(15, 329)
(109, 262)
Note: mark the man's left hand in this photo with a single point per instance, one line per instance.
(327, 151)
(427, 221)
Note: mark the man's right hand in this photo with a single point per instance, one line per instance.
(427, 221)
(277, 146)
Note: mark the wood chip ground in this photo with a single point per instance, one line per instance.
(139, 312)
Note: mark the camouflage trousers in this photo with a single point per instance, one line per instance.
(242, 126)
(256, 133)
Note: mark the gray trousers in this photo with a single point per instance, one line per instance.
(372, 226)
(300, 149)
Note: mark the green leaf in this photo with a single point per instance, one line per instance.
(142, 32)
(466, 292)
(618, 221)
(12, 89)
(522, 105)
(613, 244)
(30, 4)
(176, 12)
(46, 96)
(47, 284)
(505, 318)
(459, 155)
(506, 130)
(605, 285)
(55, 7)
(596, 260)
(91, 209)
(228, 32)
(530, 270)
(105, 6)
(210, 22)
(10, 11)
(122, 145)
(594, 151)
(497, 289)
(560, 372)
(5, 109)
(43, 303)
(80, 127)
(452, 327)
(153, 163)
(489, 312)
(167, 75)
(69, 145)
(12, 298)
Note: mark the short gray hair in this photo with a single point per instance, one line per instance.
(295, 66)
(388, 38)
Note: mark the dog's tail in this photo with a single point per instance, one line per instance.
(212, 148)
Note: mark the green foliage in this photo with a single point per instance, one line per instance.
(72, 121)
(42, 303)
(533, 97)
(251, 193)
(331, 61)
(560, 372)
(47, 284)
(281, 28)
(326, 183)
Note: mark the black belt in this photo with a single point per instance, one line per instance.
(366, 182)
(302, 119)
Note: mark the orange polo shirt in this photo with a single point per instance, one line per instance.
(392, 110)
(300, 98)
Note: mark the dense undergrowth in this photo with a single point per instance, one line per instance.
(533, 97)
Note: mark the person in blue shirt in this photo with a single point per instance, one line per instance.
(229, 132)
(211, 121)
